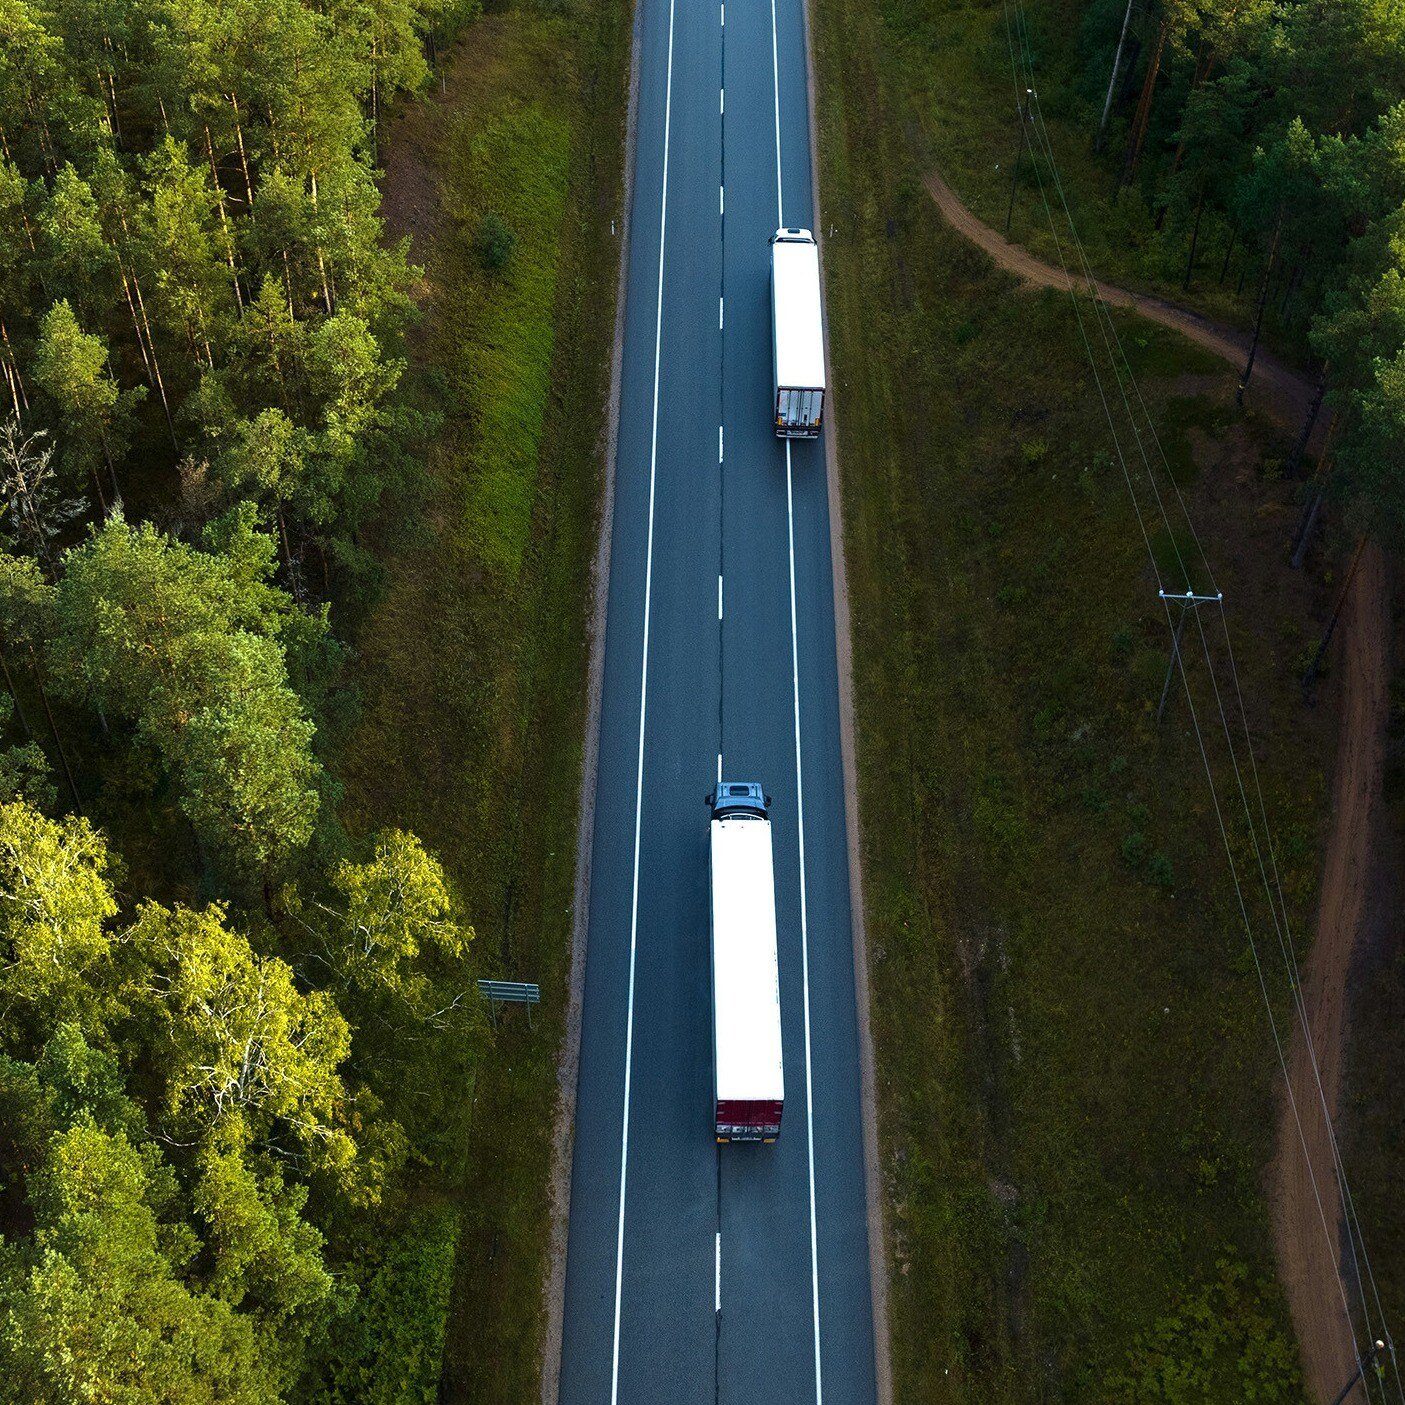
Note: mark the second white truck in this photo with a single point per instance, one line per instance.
(748, 1071)
(797, 334)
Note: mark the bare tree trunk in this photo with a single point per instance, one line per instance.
(12, 374)
(1143, 117)
(224, 223)
(1112, 81)
(1203, 64)
(1228, 250)
(243, 155)
(1295, 459)
(53, 727)
(1295, 281)
(1331, 629)
(150, 339)
(97, 488)
(1302, 538)
(14, 692)
(1259, 317)
(111, 469)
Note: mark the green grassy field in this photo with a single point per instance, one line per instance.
(1074, 1061)
(473, 662)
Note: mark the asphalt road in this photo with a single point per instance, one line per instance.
(697, 1272)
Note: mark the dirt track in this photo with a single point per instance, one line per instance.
(1350, 878)
(1307, 1234)
(1281, 391)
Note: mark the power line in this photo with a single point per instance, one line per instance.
(1111, 339)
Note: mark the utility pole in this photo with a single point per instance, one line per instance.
(1360, 1373)
(1187, 600)
(1019, 151)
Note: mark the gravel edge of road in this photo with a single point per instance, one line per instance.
(568, 1069)
(843, 646)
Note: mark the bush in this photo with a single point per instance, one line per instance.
(495, 243)
(1161, 873)
(1134, 849)
(388, 1345)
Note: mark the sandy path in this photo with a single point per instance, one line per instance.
(1307, 1234)
(1308, 1255)
(1281, 391)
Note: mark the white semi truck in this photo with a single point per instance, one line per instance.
(749, 1079)
(797, 334)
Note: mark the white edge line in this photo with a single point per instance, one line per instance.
(804, 931)
(776, 89)
(877, 1236)
(643, 701)
(799, 784)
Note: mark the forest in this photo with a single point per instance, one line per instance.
(230, 1030)
(1266, 139)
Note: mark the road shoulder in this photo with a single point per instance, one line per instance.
(568, 1072)
(844, 658)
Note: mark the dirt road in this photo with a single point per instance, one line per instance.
(1279, 389)
(1307, 1230)
(1308, 1257)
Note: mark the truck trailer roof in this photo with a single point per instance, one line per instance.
(746, 980)
(799, 332)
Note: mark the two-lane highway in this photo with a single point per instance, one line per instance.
(697, 1272)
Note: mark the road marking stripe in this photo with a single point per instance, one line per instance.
(719, 443)
(799, 783)
(718, 1276)
(643, 700)
(722, 101)
(720, 306)
(804, 932)
(719, 597)
(721, 200)
(776, 88)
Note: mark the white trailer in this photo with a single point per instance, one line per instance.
(797, 334)
(749, 1079)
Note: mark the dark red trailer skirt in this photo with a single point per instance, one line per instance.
(742, 1120)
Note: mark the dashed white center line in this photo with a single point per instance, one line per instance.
(719, 597)
(717, 1277)
(720, 305)
(719, 443)
(724, 16)
(721, 200)
(719, 768)
(722, 100)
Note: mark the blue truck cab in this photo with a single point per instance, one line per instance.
(739, 798)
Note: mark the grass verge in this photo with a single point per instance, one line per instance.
(1074, 1066)
(473, 662)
